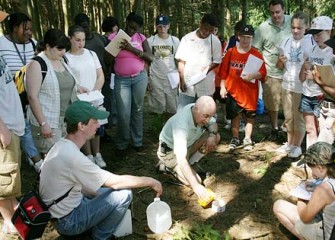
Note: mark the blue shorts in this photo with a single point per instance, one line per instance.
(27, 142)
(309, 105)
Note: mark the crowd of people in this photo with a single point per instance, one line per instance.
(60, 135)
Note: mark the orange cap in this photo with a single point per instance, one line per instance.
(3, 15)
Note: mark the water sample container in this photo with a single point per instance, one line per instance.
(159, 216)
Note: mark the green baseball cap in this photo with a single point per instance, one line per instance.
(81, 111)
(320, 153)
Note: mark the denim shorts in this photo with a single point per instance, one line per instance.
(309, 105)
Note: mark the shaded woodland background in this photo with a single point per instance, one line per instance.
(184, 14)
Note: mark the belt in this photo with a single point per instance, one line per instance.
(327, 104)
(132, 75)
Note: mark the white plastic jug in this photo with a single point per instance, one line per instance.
(159, 216)
(125, 227)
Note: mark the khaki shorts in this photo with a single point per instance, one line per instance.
(162, 98)
(310, 231)
(272, 93)
(10, 162)
(294, 119)
(43, 145)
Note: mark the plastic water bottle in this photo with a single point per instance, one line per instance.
(159, 216)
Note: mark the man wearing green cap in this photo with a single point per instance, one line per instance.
(98, 199)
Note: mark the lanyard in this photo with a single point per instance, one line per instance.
(23, 60)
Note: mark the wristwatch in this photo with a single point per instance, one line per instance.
(43, 123)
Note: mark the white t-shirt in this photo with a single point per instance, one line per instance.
(163, 51)
(11, 112)
(198, 54)
(84, 67)
(295, 51)
(321, 57)
(65, 167)
(14, 60)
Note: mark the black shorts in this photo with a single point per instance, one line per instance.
(233, 109)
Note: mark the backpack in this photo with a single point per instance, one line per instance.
(19, 80)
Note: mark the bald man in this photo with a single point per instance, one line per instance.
(185, 138)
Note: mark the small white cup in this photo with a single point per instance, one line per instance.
(218, 206)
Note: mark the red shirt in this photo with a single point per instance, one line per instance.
(245, 93)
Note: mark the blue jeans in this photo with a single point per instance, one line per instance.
(102, 214)
(27, 141)
(129, 95)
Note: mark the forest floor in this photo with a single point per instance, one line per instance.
(248, 181)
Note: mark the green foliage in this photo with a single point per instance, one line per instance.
(198, 232)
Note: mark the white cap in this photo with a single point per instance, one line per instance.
(319, 24)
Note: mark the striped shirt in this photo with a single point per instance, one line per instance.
(18, 56)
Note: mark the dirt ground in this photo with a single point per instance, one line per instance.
(249, 183)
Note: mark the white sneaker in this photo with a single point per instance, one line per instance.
(295, 152)
(100, 161)
(38, 165)
(284, 148)
(91, 158)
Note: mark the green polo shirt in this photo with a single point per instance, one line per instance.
(267, 37)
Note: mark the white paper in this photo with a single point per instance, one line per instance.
(112, 82)
(252, 66)
(173, 79)
(114, 46)
(95, 97)
(197, 78)
(301, 192)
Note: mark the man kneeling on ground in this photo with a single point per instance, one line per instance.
(185, 138)
(98, 199)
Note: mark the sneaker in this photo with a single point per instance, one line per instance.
(234, 143)
(38, 165)
(91, 158)
(285, 148)
(247, 144)
(8, 228)
(99, 160)
(295, 152)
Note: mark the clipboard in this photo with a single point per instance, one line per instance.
(327, 74)
(114, 46)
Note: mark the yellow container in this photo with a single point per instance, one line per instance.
(205, 202)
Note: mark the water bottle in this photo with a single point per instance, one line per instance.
(159, 216)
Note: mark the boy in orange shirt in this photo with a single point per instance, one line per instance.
(241, 91)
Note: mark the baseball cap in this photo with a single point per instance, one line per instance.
(3, 15)
(320, 153)
(162, 20)
(81, 111)
(319, 24)
(246, 30)
(330, 43)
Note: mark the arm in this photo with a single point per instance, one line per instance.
(213, 137)
(212, 66)
(305, 72)
(100, 79)
(5, 135)
(281, 62)
(33, 84)
(321, 197)
(146, 54)
(129, 181)
(181, 67)
(223, 90)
